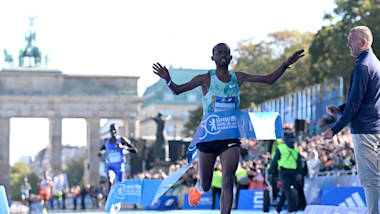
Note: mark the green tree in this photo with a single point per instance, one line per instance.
(191, 125)
(264, 57)
(18, 171)
(330, 56)
(33, 180)
(74, 170)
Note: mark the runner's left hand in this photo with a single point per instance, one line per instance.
(294, 58)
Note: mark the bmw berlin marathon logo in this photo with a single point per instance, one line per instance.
(214, 124)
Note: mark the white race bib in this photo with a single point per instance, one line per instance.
(224, 103)
(114, 157)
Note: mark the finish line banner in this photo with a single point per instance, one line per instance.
(239, 124)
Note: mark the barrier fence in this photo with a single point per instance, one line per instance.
(308, 104)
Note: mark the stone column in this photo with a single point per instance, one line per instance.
(131, 127)
(125, 132)
(137, 129)
(54, 151)
(91, 168)
(4, 154)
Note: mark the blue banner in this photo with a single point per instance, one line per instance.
(344, 196)
(238, 124)
(317, 209)
(163, 203)
(314, 186)
(138, 191)
(251, 199)
(204, 204)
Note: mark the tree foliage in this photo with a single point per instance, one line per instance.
(330, 56)
(74, 170)
(264, 57)
(18, 171)
(193, 122)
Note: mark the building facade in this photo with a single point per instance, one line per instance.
(159, 99)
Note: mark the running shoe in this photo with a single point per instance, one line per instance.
(194, 197)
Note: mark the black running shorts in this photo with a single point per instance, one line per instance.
(218, 146)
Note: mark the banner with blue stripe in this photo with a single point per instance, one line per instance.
(239, 124)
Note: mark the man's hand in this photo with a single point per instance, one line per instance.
(294, 58)
(333, 110)
(328, 135)
(298, 177)
(161, 71)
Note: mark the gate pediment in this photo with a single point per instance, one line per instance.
(32, 92)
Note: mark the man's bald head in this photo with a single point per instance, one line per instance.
(359, 39)
(363, 32)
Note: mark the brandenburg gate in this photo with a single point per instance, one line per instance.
(35, 92)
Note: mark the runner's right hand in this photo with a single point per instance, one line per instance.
(161, 71)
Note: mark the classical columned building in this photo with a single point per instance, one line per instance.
(35, 92)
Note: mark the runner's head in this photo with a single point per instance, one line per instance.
(114, 130)
(221, 55)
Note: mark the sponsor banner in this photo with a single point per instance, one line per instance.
(137, 191)
(313, 186)
(251, 200)
(239, 124)
(204, 203)
(318, 209)
(151, 190)
(163, 203)
(343, 196)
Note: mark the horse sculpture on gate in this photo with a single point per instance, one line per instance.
(8, 58)
(31, 51)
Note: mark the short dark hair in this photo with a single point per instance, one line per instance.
(113, 125)
(220, 44)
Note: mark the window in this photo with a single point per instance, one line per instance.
(168, 112)
(168, 97)
(191, 97)
(170, 129)
(186, 115)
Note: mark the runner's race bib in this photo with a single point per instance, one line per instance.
(224, 103)
(114, 157)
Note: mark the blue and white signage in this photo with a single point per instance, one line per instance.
(344, 196)
(204, 203)
(251, 199)
(239, 124)
(163, 203)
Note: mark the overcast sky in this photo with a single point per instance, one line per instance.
(89, 37)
